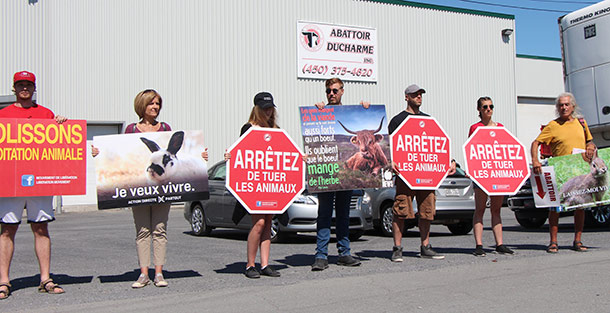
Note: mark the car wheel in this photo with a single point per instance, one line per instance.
(530, 222)
(198, 225)
(598, 216)
(386, 219)
(460, 228)
(276, 234)
(355, 234)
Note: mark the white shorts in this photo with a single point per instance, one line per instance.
(40, 209)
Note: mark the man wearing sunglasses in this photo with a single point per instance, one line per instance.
(403, 201)
(341, 199)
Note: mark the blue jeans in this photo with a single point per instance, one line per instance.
(325, 211)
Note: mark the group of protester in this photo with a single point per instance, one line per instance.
(565, 135)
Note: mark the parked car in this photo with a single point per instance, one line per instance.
(529, 216)
(216, 212)
(454, 205)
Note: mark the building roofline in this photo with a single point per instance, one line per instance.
(537, 57)
(445, 8)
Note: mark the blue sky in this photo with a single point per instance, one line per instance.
(536, 31)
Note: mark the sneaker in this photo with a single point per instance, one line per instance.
(347, 260)
(478, 251)
(251, 272)
(269, 271)
(502, 249)
(142, 281)
(319, 264)
(160, 281)
(396, 254)
(427, 253)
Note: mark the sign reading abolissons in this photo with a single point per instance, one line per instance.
(39, 157)
(328, 50)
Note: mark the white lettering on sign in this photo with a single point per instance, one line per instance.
(495, 152)
(267, 160)
(416, 143)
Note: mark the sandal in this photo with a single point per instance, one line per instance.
(553, 247)
(48, 286)
(579, 247)
(5, 293)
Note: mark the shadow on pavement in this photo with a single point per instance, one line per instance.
(133, 275)
(60, 279)
(240, 267)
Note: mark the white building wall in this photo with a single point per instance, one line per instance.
(539, 81)
(209, 58)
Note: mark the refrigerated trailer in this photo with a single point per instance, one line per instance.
(585, 48)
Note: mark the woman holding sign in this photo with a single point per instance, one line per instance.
(568, 134)
(263, 114)
(485, 107)
(150, 220)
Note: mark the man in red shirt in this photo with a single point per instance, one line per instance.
(39, 209)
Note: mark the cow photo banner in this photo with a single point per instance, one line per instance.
(347, 146)
(581, 184)
(39, 157)
(150, 168)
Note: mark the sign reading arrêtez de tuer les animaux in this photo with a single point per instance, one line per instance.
(496, 161)
(266, 171)
(422, 152)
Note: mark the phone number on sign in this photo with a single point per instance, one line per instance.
(336, 70)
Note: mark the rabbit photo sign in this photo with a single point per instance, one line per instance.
(580, 182)
(149, 168)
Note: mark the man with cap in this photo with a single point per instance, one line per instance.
(341, 200)
(403, 202)
(39, 209)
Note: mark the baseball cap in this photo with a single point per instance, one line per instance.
(264, 100)
(413, 89)
(24, 75)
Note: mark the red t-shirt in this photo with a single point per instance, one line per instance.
(474, 127)
(36, 111)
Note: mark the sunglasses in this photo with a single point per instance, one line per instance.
(335, 91)
(485, 106)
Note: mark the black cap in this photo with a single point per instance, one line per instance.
(264, 100)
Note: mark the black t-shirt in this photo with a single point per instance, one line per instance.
(244, 128)
(399, 118)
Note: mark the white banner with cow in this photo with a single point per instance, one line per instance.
(347, 146)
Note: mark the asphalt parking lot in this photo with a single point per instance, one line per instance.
(94, 259)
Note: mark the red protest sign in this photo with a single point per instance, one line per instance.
(495, 160)
(39, 157)
(421, 150)
(266, 171)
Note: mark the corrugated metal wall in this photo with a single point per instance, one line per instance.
(209, 58)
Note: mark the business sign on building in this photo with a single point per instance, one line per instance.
(329, 50)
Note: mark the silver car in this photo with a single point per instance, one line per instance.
(216, 212)
(454, 205)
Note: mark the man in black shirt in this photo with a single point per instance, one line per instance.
(403, 202)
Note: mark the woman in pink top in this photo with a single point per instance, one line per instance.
(486, 108)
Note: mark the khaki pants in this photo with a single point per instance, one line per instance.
(151, 221)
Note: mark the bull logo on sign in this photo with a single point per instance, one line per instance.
(369, 157)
